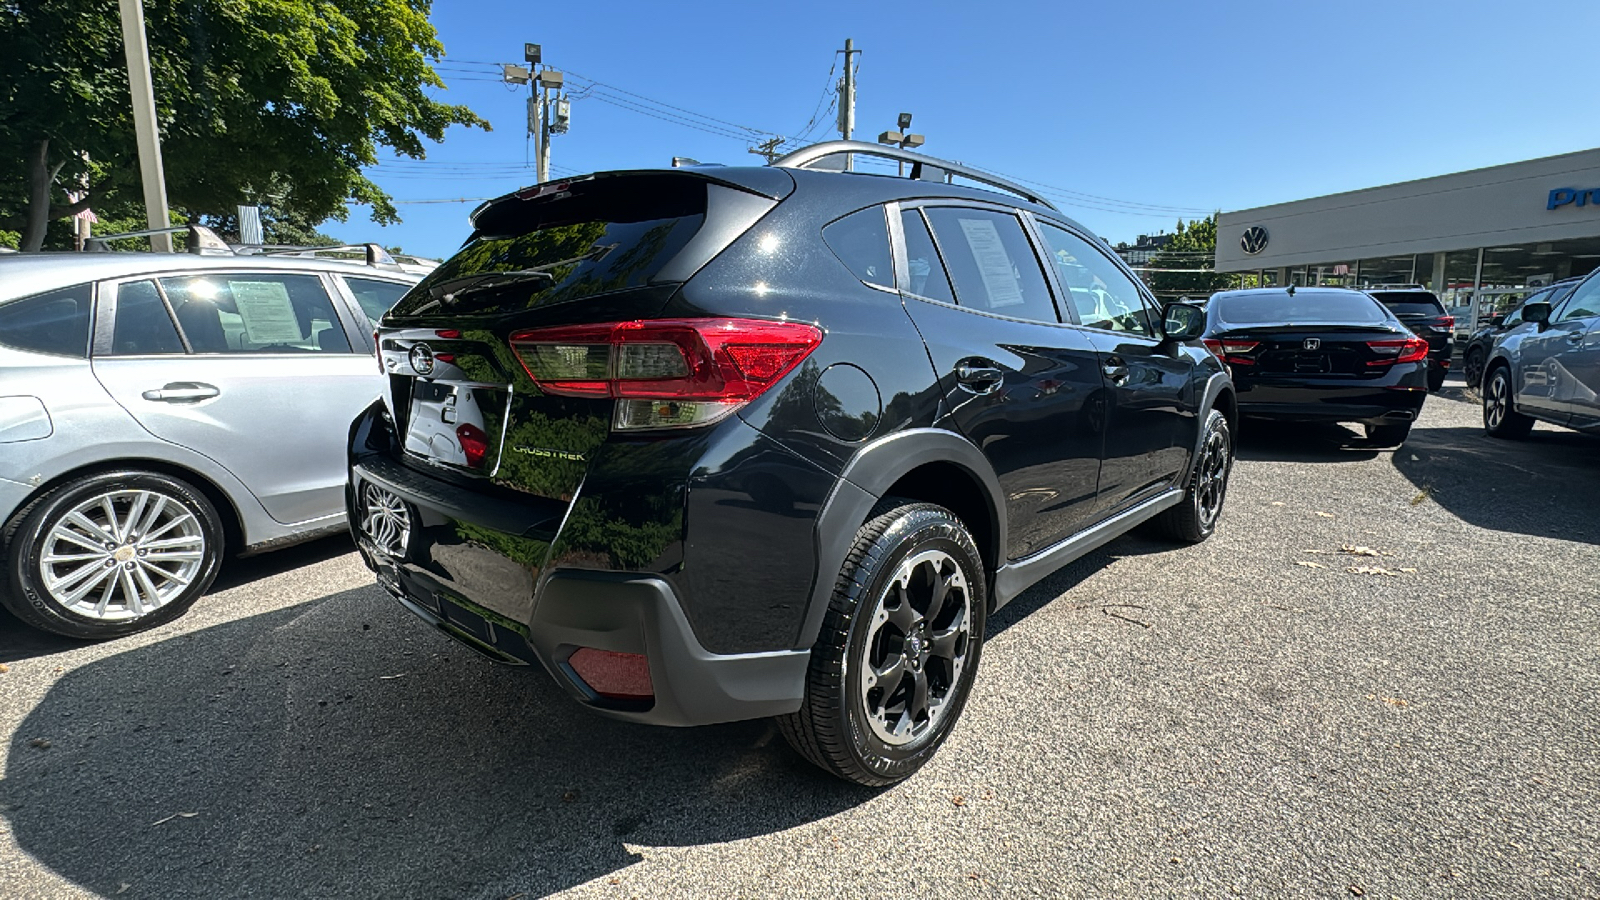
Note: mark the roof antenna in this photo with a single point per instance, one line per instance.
(1291, 290)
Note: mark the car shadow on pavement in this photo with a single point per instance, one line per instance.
(340, 747)
(1544, 485)
(1262, 440)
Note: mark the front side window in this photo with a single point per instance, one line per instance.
(255, 312)
(1583, 304)
(991, 263)
(861, 241)
(142, 325)
(56, 322)
(1102, 294)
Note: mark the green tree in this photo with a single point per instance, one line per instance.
(276, 102)
(1193, 246)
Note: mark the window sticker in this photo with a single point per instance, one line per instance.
(267, 311)
(993, 264)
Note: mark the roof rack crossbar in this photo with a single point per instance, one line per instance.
(201, 239)
(806, 156)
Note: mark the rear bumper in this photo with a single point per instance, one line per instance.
(623, 612)
(1397, 397)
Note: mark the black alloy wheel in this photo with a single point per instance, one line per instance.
(899, 647)
(1472, 366)
(113, 554)
(1500, 416)
(1195, 518)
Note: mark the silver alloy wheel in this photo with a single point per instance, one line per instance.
(1212, 475)
(122, 554)
(1496, 399)
(385, 519)
(916, 647)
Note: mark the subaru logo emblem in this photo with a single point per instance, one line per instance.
(422, 359)
(1309, 344)
(1254, 240)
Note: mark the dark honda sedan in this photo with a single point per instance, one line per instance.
(1320, 355)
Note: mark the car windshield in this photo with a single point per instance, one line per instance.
(1319, 308)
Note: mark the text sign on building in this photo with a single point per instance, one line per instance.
(1572, 197)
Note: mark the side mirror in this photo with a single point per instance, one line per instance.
(1183, 322)
(1538, 313)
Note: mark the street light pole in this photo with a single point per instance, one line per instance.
(902, 139)
(144, 123)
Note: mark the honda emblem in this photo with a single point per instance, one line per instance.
(1312, 344)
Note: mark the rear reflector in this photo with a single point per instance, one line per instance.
(474, 443)
(619, 676)
(670, 373)
(1389, 352)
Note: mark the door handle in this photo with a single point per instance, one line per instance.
(182, 392)
(980, 376)
(1116, 369)
(1574, 337)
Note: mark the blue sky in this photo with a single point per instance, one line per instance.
(1136, 114)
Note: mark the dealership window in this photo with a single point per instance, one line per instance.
(1391, 270)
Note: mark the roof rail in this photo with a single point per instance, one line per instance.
(201, 239)
(806, 156)
(376, 256)
(1394, 287)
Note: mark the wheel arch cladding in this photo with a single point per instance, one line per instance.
(1218, 395)
(227, 513)
(927, 464)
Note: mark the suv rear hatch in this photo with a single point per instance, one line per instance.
(605, 248)
(1421, 312)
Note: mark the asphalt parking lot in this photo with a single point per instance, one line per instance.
(1265, 714)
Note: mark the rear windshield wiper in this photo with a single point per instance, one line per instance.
(482, 281)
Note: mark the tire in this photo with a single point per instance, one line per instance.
(137, 550)
(851, 724)
(1436, 377)
(1194, 519)
(1388, 435)
(1500, 416)
(1472, 367)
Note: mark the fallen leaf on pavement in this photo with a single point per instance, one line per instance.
(1277, 503)
(4, 668)
(173, 816)
(1356, 550)
(41, 743)
(391, 677)
(1309, 564)
(1409, 571)
(959, 800)
(1422, 495)
(1324, 515)
(1395, 701)
(1372, 570)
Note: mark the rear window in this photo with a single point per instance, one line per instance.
(592, 238)
(57, 322)
(1306, 309)
(1411, 304)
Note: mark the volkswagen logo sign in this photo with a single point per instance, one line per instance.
(1312, 343)
(422, 359)
(1254, 240)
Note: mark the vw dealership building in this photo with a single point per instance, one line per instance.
(1478, 239)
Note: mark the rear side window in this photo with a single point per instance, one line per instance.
(861, 241)
(925, 269)
(55, 323)
(593, 237)
(376, 297)
(1411, 303)
(256, 312)
(142, 325)
(991, 263)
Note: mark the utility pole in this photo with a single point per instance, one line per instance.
(549, 82)
(144, 123)
(847, 98)
(549, 111)
(768, 149)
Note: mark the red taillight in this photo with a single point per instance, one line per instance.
(672, 372)
(448, 333)
(474, 443)
(620, 676)
(1390, 352)
(1232, 351)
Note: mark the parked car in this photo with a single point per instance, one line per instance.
(1476, 351)
(1320, 355)
(1422, 312)
(1548, 367)
(775, 441)
(158, 411)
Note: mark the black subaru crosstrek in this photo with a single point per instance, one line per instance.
(717, 443)
(1419, 310)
